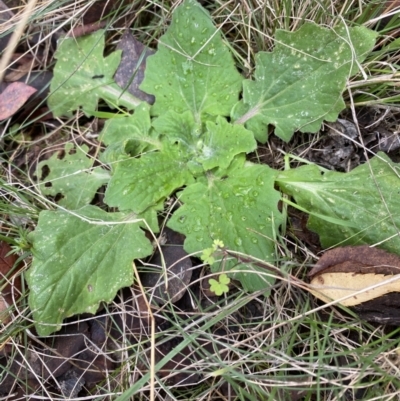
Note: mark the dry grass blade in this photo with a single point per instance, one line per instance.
(16, 37)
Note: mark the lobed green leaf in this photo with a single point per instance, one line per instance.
(179, 127)
(222, 142)
(73, 177)
(300, 83)
(216, 146)
(355, 208)
(192, 69)
(140, 183)
(129, 135)
(80, 261)
(82, 76)
(238, 206)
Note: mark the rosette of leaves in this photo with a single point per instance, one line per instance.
(225, 197)
(193, 143)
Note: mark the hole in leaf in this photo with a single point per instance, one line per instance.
(45, 173)
(61, 154)
(58, 197)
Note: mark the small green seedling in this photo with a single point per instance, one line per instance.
(221, 286)
(209, 254)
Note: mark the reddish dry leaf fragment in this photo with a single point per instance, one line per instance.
(7, 263)
(10, 281)
(83, 30)
(13, 98)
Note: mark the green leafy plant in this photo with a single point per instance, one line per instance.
(192, 142)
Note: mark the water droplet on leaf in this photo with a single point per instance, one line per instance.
(238, 241)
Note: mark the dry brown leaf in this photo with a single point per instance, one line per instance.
(130, 72)
(369, 272)
(13, 98)
(357, 259)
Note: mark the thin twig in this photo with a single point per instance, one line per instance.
(152, 335)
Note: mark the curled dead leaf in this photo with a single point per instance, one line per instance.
(357, 259)
(354, 275)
